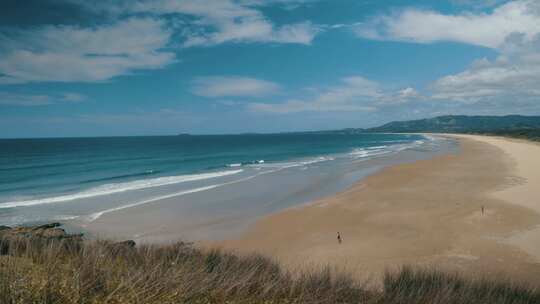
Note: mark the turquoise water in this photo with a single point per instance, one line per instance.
(84, 179)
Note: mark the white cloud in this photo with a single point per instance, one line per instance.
(354, 93)
(295, 106)
(70, 53)
(507, 82)
(483, 29)
(73, 97)
(408, 93)
(511, 78)
(139, 38)
(228, 103)
(252, 30)
(515, 73)
(233, 86)
(229, 21)
(478, 4)
(219, 21)
(30, 100)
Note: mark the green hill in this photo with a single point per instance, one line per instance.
(464, 124)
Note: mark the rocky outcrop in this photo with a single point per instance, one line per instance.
(41, 235)
(36, 236)
(47, 231)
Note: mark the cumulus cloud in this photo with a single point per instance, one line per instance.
(483, 29)
(139, 35)
(72, 53)
(512, 29)
(233, 86)
(254, 31)
(515, 73)
(354, 93)
(408, 93)
(230, 21)
(218, 21)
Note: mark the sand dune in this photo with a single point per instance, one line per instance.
(423, 213)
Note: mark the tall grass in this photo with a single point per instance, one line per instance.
(64, 271)
(434, 287)
(99, 272)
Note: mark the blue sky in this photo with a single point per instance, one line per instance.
(70, 68)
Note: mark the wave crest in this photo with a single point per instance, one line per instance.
(120, 187)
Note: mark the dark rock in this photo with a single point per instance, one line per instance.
(47, 226)
(47, 231)
(38, 236)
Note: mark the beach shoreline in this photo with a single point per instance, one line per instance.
(225, 209)
(471, 212)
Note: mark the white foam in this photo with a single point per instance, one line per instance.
(368, 152)
(261, 161)
(316, 160)
(360, 153)
(301, 163)
(381, 150)
(65, 217)
(430, 138)
(120, 187)
(395, 141)
(94, 216)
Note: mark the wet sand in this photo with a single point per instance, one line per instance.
(427, 213)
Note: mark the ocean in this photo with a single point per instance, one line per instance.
(193, 187)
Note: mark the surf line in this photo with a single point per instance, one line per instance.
(94, 216)
(108, 189)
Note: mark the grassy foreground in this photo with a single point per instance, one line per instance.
(35, 270)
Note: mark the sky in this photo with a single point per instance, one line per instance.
(141, 67)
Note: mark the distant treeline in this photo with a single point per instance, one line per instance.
(526, 127)
(464, 124)
(529, 134)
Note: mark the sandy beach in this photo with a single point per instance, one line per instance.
(426, 213)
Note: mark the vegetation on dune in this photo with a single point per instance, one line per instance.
(515, 126)
(101, 272)
(50, 268)
(463, 124)
(529, 134)
(434, 287)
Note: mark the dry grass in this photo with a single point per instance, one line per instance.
(433, 287)
(64, 271)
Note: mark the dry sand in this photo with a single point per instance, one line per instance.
(425, 213)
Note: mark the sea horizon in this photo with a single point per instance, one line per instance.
(205, 134)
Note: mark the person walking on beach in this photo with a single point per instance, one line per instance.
(339, 237)
(482, 209)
